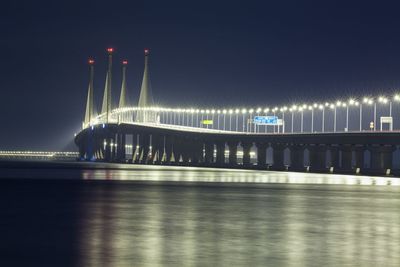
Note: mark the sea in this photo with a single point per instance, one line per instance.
(104, 214)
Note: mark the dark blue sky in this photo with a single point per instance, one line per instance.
(219, 53)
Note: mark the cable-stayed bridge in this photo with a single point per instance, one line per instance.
(357, 135)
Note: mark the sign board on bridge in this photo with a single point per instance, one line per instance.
(266, 120)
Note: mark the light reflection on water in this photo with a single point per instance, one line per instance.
(184, 174)
(140, 216)
(288, 224)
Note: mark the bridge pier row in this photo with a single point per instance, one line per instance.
(296, 157)
(381, 158)
(359, 157)
(220, 160)
(317, 157)
(209, 153)
(347, 156)
(278, 157)
(261, 155)
(232, 153)
(246, 153)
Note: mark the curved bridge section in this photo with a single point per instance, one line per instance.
(151, 143)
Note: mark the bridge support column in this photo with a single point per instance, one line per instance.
(246, 153)
(220, 160)
(334, 155)
(157, 148)
(107, 152)
(278, 155)
(359, 157)
(346, 157)
(209, 153)
(232, 153)
(261, 154)
(121, 150)
(317, 157)
(297, 157)
(81, 151)
(381, 158)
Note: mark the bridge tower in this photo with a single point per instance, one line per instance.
(106, 107)
(123, 97)
(90, 110)
(146, 96)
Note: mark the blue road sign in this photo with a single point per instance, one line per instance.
(266, 120)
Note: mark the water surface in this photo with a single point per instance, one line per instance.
(115, 215)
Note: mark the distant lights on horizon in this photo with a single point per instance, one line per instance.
(110, 50)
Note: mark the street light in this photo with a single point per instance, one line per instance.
(312, 117)
(292, 109)
(223, 117)
(248, 122)
(230, 119)
(244, 111)
(301, 109)
(322, 107)
(266, 110)
(237, 120)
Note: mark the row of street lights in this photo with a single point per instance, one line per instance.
(188, 117)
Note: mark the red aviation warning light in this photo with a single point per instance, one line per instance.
(91, 61)
(124, 62)
(110, 50)
(146, 51)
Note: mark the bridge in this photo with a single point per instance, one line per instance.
(357, 135)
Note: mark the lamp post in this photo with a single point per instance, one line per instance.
(230, 119)
(291, 111)
(266, 110)
(322, 108)
(237, 120)
(223, 118)
(244, 111)
(302, 118)
(273, 112)
(248, 121)
(396, 98)
(257, 127)
(218, 112)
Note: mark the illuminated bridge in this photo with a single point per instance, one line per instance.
(357, 135)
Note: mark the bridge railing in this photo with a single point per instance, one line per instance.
(380, 114)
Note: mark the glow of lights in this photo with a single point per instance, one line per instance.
(237, 111)
(258, 110)
(125, 62)
(244, 111)
(224, 111)
(110, 50)
(91, 61)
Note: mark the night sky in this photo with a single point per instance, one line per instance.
(206, 54)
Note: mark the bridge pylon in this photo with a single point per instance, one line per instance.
(146, 96)
(90, 110)
(106, 107)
